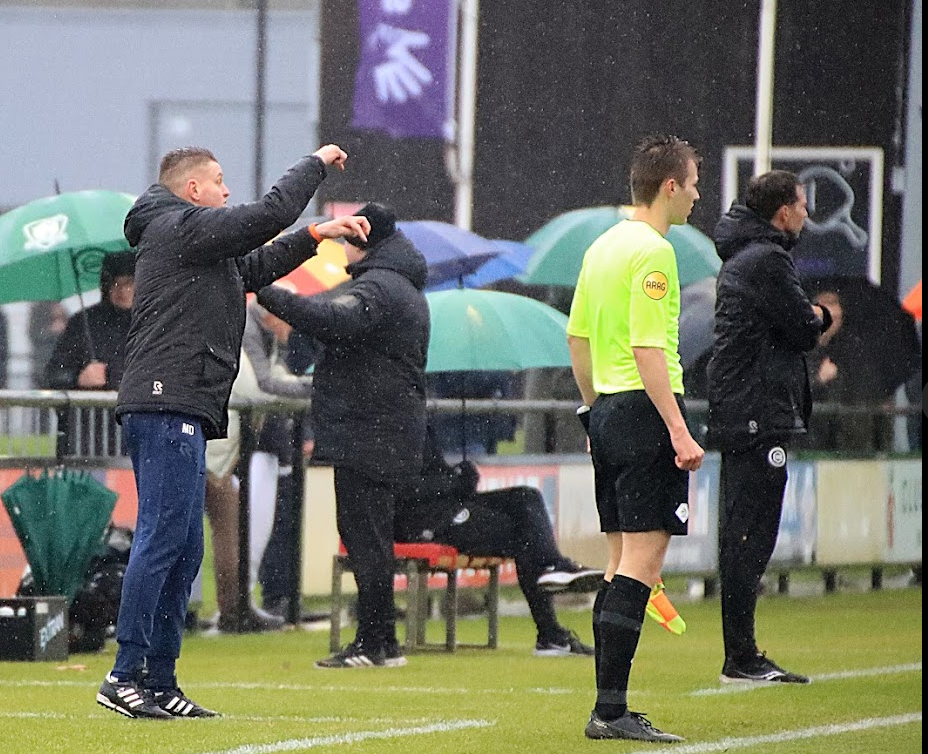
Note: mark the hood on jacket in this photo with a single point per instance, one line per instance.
(740, 227)
(395, 253)
(154, 202)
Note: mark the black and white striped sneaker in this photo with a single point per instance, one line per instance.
(129, 698)
(354, 656)
(177, 704)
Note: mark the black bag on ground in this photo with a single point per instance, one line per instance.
(93, 611)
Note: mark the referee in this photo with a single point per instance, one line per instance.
(623, 334)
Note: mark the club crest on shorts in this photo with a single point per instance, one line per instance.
(683, 512)
(461, 517)
(776, 457)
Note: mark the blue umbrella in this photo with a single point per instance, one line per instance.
(513, 259)
(449, 251)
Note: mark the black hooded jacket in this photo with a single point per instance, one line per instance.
(368, 406)
(194, 266)
(764, 323)
(97, 334)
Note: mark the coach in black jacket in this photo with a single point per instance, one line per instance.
(194, 264)
(758, 398)
(368, 410)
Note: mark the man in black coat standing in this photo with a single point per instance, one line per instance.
(368, 410)
(759, 398)
(194, 264)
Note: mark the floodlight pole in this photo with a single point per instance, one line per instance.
(260, 94)
(467, 111)
(763, 129)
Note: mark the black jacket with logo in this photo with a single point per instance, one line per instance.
(764, 323)
(368, 405)
(194, 266)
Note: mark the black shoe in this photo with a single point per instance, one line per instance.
(256, 620)
(632, 726)
(760, 669)
(176, 704)
(129, 698)
(279, 606)
(393, 655)
(355, 656)
(568, 576)
(563, 647)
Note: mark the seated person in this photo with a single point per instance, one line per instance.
(445, 507)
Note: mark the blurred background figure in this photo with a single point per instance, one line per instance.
(90, 355)
(871, 350)
(263, 372)
(47, 320)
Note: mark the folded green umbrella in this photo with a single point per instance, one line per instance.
(60, 518)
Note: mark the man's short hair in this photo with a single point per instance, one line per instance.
(657, 158)
(770, 191)
(177, 164)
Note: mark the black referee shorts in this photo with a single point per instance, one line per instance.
(638, 485)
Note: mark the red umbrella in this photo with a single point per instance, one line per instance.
(322, 272)
(912, 302)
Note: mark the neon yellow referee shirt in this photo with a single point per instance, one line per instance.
(628, 296)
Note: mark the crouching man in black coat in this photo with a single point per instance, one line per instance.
(368, 410)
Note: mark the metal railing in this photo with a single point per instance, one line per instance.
(31, 435)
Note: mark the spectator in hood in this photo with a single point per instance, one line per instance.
(90, 355)
(368, 410)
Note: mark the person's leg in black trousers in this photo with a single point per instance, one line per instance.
(508, 523)
(364, 515)
(275, 573)
(752, 485)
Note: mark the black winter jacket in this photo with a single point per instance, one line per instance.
(429, 506)
(368, 406)
(764, 322)
(194, 266)
(108, 326)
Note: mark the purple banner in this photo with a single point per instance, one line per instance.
(405, 79)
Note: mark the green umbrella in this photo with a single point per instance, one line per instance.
(52, 248)
(491, 331)
(59, 518)
(485, 330)
(561, 243)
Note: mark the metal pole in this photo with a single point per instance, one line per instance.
(246, 449)
(295, 570)
(763, 129)
(467, 111)
(260, 94)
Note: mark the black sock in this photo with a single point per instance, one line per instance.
(620, 620)
(597, 609)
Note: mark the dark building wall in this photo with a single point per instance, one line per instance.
(565, 90)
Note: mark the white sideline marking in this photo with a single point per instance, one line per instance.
(740, 688)
(552, 691)
(330, 719)
(297, 744)
(727, 744)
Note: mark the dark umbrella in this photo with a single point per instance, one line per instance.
(512, 260)
(450, 252)
(59, 519)
(880, 338)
